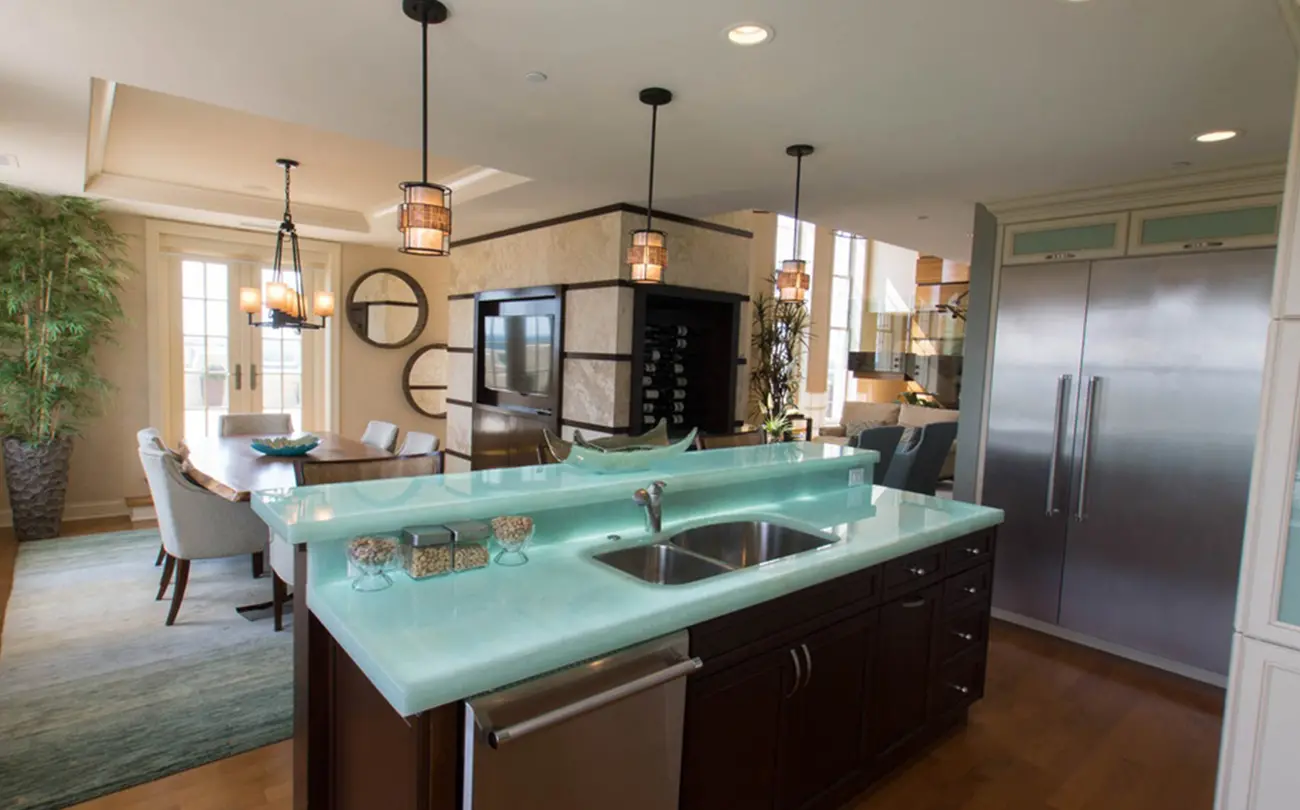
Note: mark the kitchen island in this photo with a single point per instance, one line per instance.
(817, 671)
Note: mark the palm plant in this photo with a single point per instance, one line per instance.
(779, 338)
(61, 269)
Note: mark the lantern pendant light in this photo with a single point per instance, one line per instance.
(424, 217)
(793, 281)
(648, 255)
(287, 305)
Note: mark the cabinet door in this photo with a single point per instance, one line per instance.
(1093, 237)
(1261, 729)
(733, 733)
(1245, 223)
(822, 723)
(900, 682)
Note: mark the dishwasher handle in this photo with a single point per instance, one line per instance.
(500, 737)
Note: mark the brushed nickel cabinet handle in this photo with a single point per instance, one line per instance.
(1055, 256)
(918, 571)
(798, 673)
(1062, 391)
(914, 603)
(963, 636)
(1090, 403)
(807, 656)
(971, 589)
(965, 690)
(974, 552)
(1202, 244)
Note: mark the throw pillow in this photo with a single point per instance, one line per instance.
(852, 429)
(909, 437)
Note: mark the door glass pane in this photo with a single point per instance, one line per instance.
(280, 378)
(205, 358)
(1289, 602)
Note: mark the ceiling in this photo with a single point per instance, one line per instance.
(918, 109)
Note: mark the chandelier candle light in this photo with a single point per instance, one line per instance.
(287, 305)
(648, 255)
(793, 281)
(424, 217)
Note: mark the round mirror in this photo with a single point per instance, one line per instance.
(387, 308)
(425, 380)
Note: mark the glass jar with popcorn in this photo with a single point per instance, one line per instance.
(512, 533)
(371, 557)
(426, 551)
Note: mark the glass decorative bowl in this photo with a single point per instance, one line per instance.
(372, 557)
(512, 533)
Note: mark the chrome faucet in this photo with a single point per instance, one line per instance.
(652, 499)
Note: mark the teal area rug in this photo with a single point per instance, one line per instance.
(97, 695)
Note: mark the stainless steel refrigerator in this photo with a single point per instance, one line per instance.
(1122, 415)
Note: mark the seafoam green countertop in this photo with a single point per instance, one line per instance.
(427, 643)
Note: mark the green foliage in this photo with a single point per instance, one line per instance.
(918, 398)
(61, 269)
(779, 339)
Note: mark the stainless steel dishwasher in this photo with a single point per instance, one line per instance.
(607, 733)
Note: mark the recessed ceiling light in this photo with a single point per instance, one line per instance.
(536, 76)
(749, 34)
(924, 217)
(1217, 135)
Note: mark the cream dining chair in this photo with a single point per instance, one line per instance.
(254, 424)
(380, 434)
(418, 444)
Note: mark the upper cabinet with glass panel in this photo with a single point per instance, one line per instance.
(387, 308)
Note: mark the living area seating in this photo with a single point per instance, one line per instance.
(380, 434)
(254, 424)
(748, 438)
(194, 523)
(884, 440)
(917, 468)
(859, 416)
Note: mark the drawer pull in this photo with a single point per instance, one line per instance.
(1202, 244)
(1054, 256)
(965, 690)
(963, 636)
(798, 673)
(914, 603)
(918, 571)
(974, 552)
(971, 589)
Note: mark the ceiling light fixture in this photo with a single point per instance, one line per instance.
(424, 217)
(288, 307)
(1217, 135)
(746, 34)
(648, 255)
(536, 76)
(793, 281)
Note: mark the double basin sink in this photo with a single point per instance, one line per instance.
(708, 551)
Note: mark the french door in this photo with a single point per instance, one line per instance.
(228, 366)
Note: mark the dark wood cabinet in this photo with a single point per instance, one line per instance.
(900, 686)
(805, 700)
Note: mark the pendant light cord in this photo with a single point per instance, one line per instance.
(287, 216)
(798, 181)
(424, 96)
(650, 196)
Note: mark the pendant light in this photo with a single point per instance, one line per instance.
(648, 255)
(424, 217)
(288, 305)
(793, 281)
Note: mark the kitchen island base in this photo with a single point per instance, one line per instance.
(803, 702)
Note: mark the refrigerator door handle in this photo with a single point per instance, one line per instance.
(1090, 401)
(1062, 391)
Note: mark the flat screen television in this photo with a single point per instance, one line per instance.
(517, 351)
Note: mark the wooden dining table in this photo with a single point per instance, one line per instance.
(229, 466)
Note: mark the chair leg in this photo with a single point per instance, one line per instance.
(259, 564)
(178, 593)
(278, 595)
(168, 566)
(162, 554)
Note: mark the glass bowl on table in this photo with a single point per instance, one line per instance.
(512, 533)
(371, 558)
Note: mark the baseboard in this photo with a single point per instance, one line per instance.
(1194, 673)
(140, 514)
(87, 510)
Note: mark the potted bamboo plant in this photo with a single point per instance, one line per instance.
(61, 269)
(779, 339)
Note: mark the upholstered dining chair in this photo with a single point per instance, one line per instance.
(380, 434)
(884, 440)
(916, 468)
(310, 472)
(418, 444)
(194, 523)
(254, 424)
(152, 437)
(748, 438)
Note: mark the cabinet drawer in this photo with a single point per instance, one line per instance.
(958, 684)
(968, 588)
(968, 552)
(962, 632)
(916, 570)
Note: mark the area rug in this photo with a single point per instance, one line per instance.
(97, 695)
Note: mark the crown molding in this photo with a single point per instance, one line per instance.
(1221, 184)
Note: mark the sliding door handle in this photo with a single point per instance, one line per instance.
(1089, 405)
(1062, 391)
(239, 377)
(252, 376)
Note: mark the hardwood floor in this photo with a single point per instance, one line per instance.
(1062, 728)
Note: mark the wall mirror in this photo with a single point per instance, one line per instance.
(387, 308)
(425, 380)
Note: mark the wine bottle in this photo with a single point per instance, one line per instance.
(650, 393)
(678, 368)
(677, 393)
(654, 355)
(677, 419)
(679, 407)
(651, 368)
(648, 419)
(648, 407)
(648, 380)
(679, 343)
(681, 382)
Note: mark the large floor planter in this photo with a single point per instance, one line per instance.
(37, 475)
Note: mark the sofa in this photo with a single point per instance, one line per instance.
(860, 415)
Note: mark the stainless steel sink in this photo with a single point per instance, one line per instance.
(741, 545)
(662, 564)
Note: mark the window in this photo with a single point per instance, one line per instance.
(848, 273)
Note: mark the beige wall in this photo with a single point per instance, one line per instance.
(105, 468)
(370, 384)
